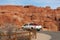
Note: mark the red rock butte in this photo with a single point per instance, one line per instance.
(47, 17)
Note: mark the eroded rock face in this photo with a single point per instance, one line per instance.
(20, 15)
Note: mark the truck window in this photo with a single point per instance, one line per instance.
(25, 24)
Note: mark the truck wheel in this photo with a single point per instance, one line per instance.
(38, 29)
(31, 27)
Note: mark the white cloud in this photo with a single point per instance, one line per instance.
(46, 1)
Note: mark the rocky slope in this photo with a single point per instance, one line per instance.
(20, 15)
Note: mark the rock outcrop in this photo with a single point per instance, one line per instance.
(20, 15)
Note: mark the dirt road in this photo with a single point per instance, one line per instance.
(42, 36)
(46, 35)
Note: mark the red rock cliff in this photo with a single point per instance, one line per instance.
(20, 15)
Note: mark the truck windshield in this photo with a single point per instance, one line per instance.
(32, 24)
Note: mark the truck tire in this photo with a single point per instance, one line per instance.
(38, 29)
(31, 27)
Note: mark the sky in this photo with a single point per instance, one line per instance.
(39, 3)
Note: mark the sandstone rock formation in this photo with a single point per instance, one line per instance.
(20, 15)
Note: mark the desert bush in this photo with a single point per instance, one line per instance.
(8, 29)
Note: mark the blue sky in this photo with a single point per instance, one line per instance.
(42, 3)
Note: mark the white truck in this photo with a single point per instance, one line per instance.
(32, 26)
